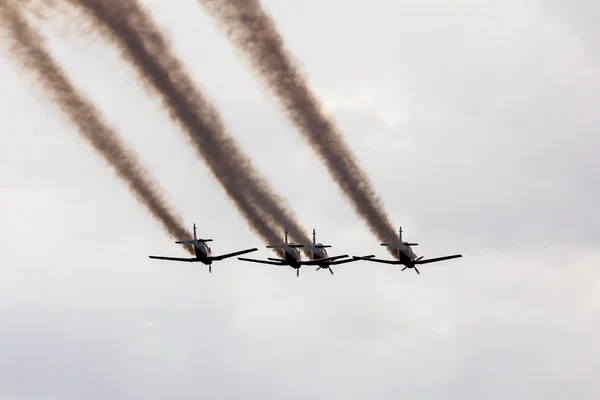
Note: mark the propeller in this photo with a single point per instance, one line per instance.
(415, 267)
(329, 268)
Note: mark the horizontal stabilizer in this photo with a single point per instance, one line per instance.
(438, 259)
(228, 255)
(322, 246)
(275, 259)
(259, 261)
(193, 241)
(175, 258)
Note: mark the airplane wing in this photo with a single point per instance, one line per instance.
(333, 258)
(193, 259)
(337, 262)
(260, 261)
(326, 260)
(372, 258)
(363, 257)
(237, 253)
(430, 260)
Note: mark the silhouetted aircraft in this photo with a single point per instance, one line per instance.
(203, 252)
(292, 257)
(320, 254)
(406, 256)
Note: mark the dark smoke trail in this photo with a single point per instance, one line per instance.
(253, 30)
(29, 49)
(141, 43)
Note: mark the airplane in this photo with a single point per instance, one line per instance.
(320, 254)
(203, 252)
(406, 256)
(292, 257)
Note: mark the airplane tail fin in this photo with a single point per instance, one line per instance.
(195, 240)
(399, 241)
(285, 243)
(319, 245)
(395, 245)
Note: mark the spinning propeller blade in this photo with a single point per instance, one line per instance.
(329, 268)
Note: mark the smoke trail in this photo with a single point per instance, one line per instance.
(253, 30)
(29, 49)
(131, 28)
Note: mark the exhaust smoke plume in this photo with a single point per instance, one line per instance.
(130, 27)
(253, 31)
(29, 49)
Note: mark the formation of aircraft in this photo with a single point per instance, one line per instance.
(291, 256)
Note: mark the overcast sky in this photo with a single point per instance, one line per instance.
(477, 123)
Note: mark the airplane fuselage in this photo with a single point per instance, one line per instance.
(406, 255)
(292, 256)
(319, 253)
(203, 252)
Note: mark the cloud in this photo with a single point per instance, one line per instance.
(476, 123)
(495, 123)
(578, 17)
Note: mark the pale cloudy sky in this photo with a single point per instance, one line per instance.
(476, 121)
